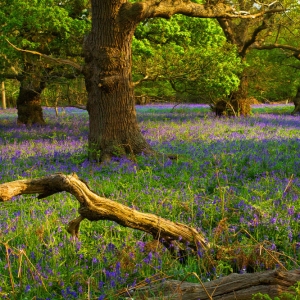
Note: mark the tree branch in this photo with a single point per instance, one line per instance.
(227, 29)
(94, 208)
(166, 8)
(254, 35)
(145, 78)
(296, 50)
(56, 60)
(12, 76)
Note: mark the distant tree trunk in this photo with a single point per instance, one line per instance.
(3, 95)
(29, 102)
(239, 99)
(296, 103)
(237, 104)
(113, 130)
(243, 35)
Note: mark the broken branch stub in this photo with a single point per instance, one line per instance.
(95, 208)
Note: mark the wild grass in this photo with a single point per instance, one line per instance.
(235, 180)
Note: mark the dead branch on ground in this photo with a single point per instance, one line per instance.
(95, 208)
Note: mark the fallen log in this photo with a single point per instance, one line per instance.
(232, 287)
(94, 208)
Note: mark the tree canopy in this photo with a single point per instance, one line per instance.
(55, 28)
(186, 58)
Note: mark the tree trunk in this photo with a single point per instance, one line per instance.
(3, 95)
(113, 129)
(239, 99)
(29, 102)
(297, 103)
(232, 287)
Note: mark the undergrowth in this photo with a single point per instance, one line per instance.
(234, 180)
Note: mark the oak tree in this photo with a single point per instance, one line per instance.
(52, 28)
(113, 128)
(246, 33)
(183, 60)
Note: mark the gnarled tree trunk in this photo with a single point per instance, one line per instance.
(237, 104)
(29, 102)
(113, 130)
(239, 98)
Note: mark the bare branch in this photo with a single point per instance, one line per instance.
(145, 78)
(274, 46)
(94, 208)
(296, 50)
(166, 8)
(56, 60)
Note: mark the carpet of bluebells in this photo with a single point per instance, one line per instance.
(237, 180)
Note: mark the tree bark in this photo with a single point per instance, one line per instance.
(232, 287)
(95, 208)
(113, 128)
(29, 103)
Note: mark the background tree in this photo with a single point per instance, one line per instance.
(49, 27)
(273, 75)
(184, 59)
(280, 46)
(244, 33)
(113, 128)
(107, 51)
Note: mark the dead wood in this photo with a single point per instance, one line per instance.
(95, 208)
(232, 287)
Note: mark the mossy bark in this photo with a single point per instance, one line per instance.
(29, 103)
(113, 127)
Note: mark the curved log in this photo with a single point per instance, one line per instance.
(94, 208)
(232, 287)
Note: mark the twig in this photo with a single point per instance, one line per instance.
(57, 60)
(289, 184)
(7, 248)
